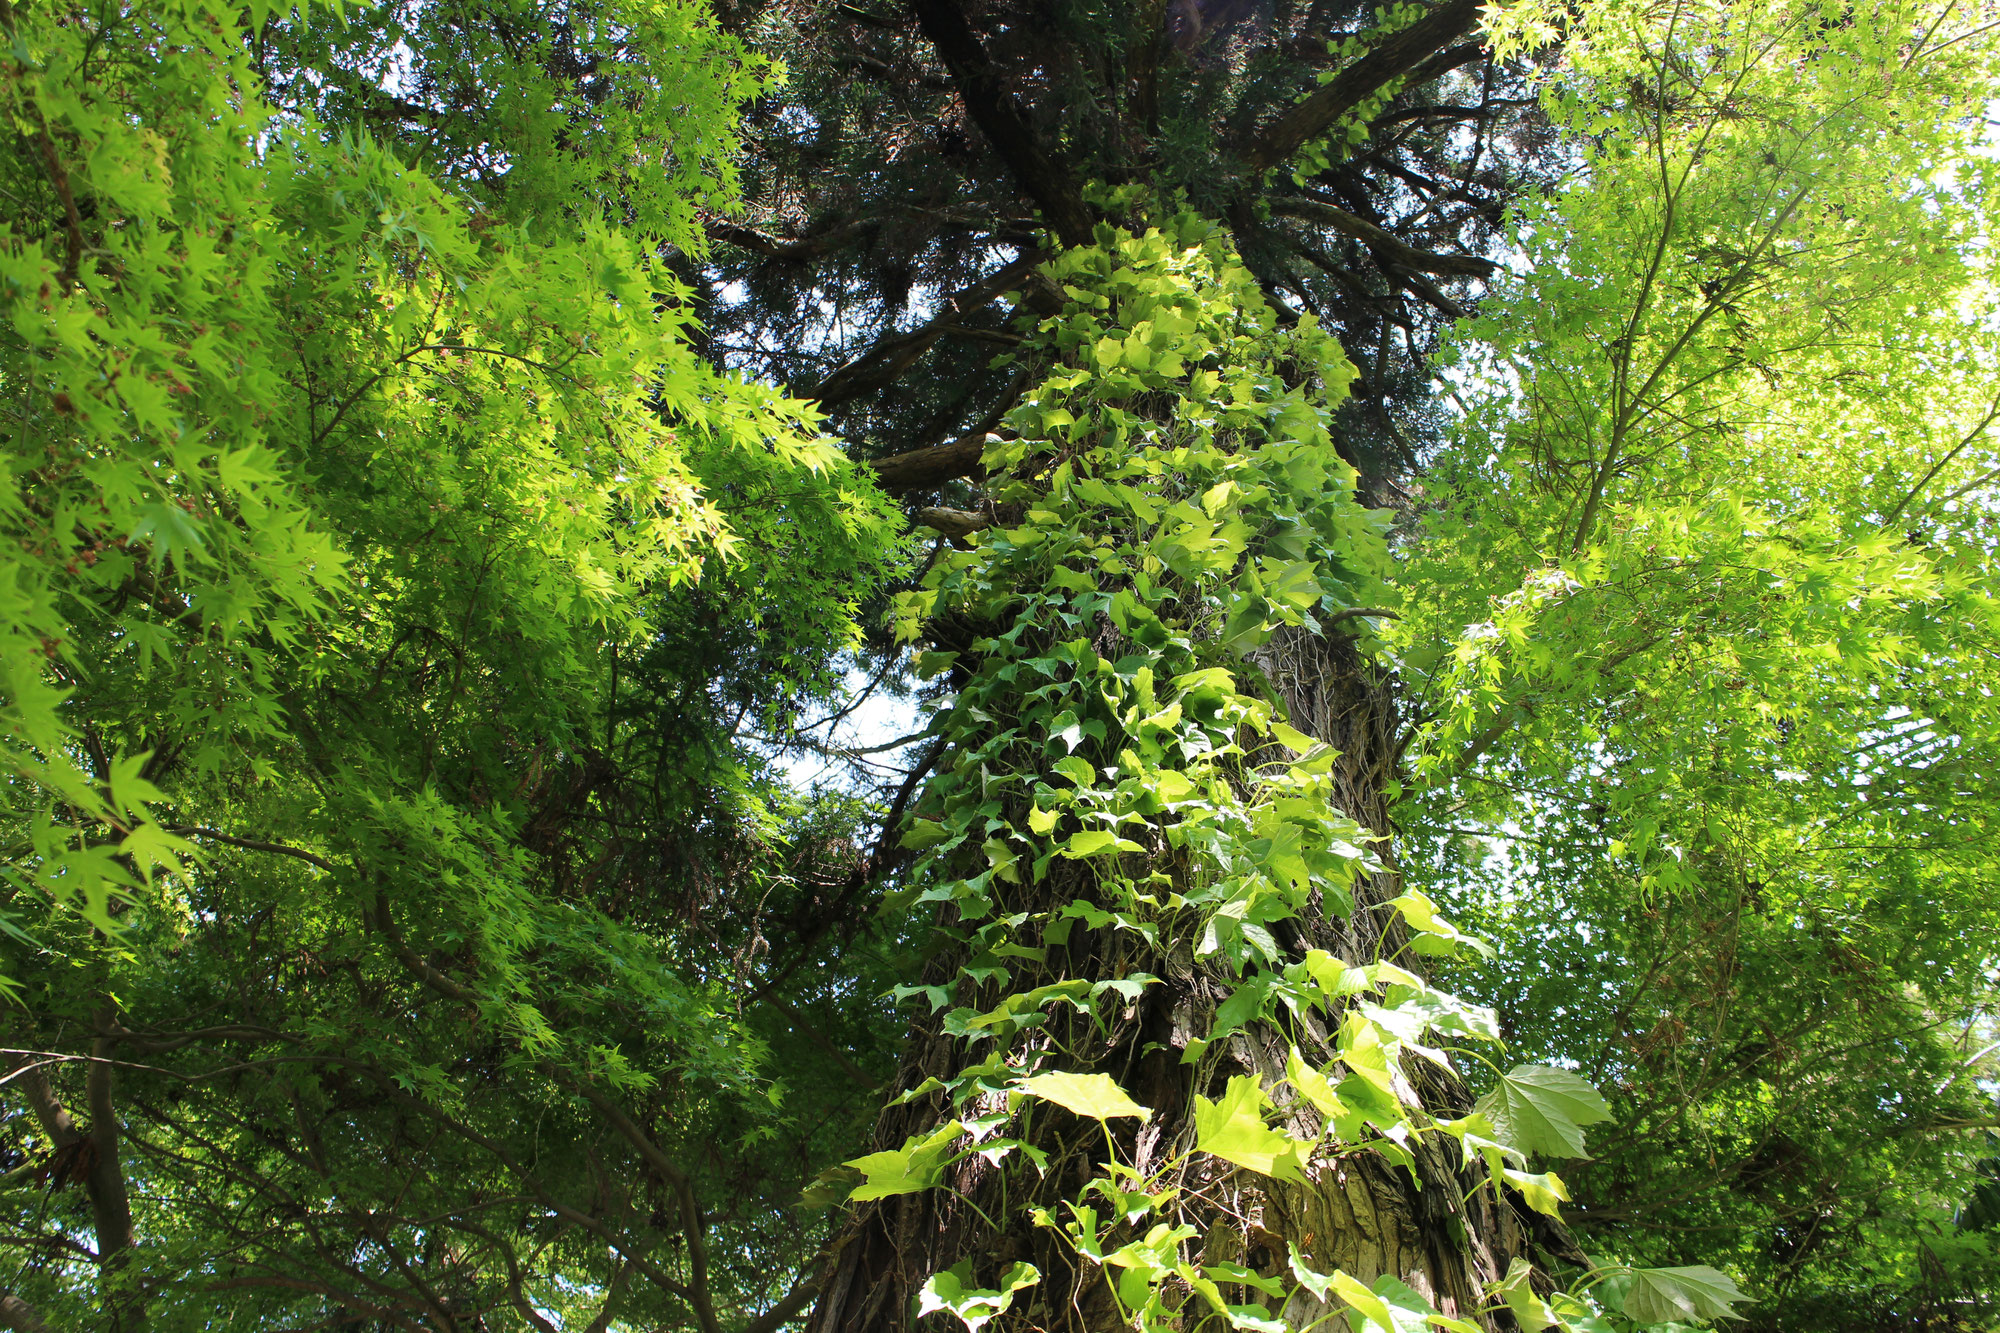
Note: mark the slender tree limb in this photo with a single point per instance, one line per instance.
(696, 1292)
(49, 1112)
(882, 363)
(804, 1291)
(957, 524)
(1483, 742)
(1444, 62)
(676, 1179)
(790, 250)
(856, 14)
(605, 1312)
(58, 178)
(618, 1243)
(348, 1300)
(1389, 307)
(1426, 290)
(252, 844)
(72, 219)
(859, 877)
(110, 1204)
(1407, 52)
(1386, 248)
(1449, 112)
(1965, 442)
(811, 1033)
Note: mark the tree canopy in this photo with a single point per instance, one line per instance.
(1444, 559)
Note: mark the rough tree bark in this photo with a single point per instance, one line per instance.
(1437, 1230)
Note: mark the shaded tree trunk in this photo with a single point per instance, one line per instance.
(1438, 1229)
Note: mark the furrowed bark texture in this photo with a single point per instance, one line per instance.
(1359, 1213)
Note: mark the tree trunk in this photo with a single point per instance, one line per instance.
(1360, 1214)
(1093, 512)
(21, 1317)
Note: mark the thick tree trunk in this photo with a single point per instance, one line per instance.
(21, 1317)
(1436, 1230)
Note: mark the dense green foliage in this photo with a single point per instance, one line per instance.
(373, 536)
(1729, 734)
(416, 571)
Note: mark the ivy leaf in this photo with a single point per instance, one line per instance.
(1292, 737)
(1068, 730)
(1244, 1005)
(938, 996)
(1097, 841)
(830, 1187)
(1364, 1302)
(1314, 1086)
(1095, 1095)
(1319, 1284)
(922, 834)
(1539, 1109)
(1530, 1311)
(1545, 1192)
(1249, 1277)
(953, 1290)
(1234, 1130)
(1409, 1312)
(916, 1166)
(1663, 1295)
(1435, 934)
(1076, 770)
(1256, 1318)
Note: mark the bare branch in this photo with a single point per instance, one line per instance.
(879, 365)
(923, 468)
(1404, 53)
(791, 250)
(1386, 248)
(957, 524)
(252, 844)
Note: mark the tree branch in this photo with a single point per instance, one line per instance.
(251, 844)
(677, 1180)
(802, 1294)
(1042, 176)
(957, 524)
(1401, 53)
(882, 363)
(920, 469)
(804, 1027)
(778, 247)
(1965, 441)
(1385, 246)
(110, 1205)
